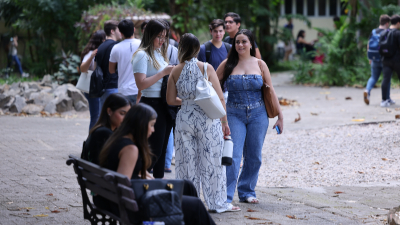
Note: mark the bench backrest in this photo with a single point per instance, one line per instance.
(109, 184)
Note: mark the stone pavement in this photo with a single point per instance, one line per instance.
(34, 179)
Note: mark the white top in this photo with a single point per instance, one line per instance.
(121, 54)
(86, 58)
(142, 63)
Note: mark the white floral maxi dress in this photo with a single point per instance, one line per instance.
(199, 143)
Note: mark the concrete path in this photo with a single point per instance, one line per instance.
(34, 179)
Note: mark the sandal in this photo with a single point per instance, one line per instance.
(231, 208)
(252, 200)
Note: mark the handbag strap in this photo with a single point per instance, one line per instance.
(205, 70)
(262, 71)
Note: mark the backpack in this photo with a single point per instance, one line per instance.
(387, 48)
(208, 49)
(97, 85)
(373, 43)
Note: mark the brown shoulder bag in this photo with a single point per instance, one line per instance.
(270, 100)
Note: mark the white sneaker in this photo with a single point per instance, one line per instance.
(385, 103)
(391, 101)
(25, 74)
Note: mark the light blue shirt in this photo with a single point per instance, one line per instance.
(142, 63)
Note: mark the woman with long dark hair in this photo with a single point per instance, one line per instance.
(88, 63)
(150, 65)
(127, 152)
(302, 46)
(242, 73)
(199, 140)
(113, 112)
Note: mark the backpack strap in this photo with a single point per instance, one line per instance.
(228, 47)
(374, 32)
(208, 50)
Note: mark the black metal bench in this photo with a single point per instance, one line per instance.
(108, 184)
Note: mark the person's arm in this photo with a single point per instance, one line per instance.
(127, 160)
(172, 93)
(86, 64)
(111, 67)
(267, 75)
(302, 41)
(258, 54)
(220, 70)
(15, 41)
(213, 78)
(139, 95)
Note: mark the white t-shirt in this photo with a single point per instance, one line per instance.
(142, 63)
(121, 54)
(172, 54)
(86, 58)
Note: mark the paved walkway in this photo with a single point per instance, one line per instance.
(34, 179)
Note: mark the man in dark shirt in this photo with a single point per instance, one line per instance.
(376, 63)
(232, 25)
(391, 64)
(102, 59)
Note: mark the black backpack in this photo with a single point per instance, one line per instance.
(97, 85)
(208, 49)
(387, 48)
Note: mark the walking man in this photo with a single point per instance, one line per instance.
(390, 63)
(121, 56)
(374, 56)
(110, 80)
(232, 26)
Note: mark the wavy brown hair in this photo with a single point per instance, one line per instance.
(233, 56)
(135, 123)
(95, 41)
(189, 47)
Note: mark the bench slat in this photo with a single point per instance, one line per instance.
(98, 180)
(112, 196)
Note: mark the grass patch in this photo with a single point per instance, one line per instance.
(14, 78)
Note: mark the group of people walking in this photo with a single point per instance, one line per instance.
(131, 133)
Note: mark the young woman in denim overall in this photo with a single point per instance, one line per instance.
(247, 116)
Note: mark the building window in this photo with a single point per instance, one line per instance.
(332, 8)
(300, 7)
(288, 7)
(310, 8)
(322, 7)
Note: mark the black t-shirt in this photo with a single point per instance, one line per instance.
(94, 143)
(102, 59)
(113, 157)
(229, 40)
(396, 42)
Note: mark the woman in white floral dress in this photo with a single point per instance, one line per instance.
(198, 139)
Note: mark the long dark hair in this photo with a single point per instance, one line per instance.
(95, 41)
(233, 56)
(300, 34)
(153, 29)
(135, 123)
(189, 47)
(114, 102)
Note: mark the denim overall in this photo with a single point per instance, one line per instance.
(248, 122)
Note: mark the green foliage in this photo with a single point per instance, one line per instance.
(68, 67)
(16, 78)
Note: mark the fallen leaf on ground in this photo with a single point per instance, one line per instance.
(358, 120)
(316, 163)
(251, 210)
(50, 194)
(47, 207)
(388, 110)
(287, 102)
(314, 114)
(348, 98)
(335, 196)
(338, 192)
(380, 125)
(56, 211)
(360, 172)
(397, 117)
(385, 159)
(291, 217)
(41, 215)
(325, 93)
(253, 218)
(298, 118)
(329, 98)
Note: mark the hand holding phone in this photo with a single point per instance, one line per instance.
(277, 130)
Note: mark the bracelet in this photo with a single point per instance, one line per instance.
(224, 121)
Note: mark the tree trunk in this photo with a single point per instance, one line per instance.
(30, 46)
(354, 9)
(266, 48)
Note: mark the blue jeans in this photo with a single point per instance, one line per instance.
(17, 62)
(170, 150)
(106, 94)
(94, 109)
(376, 69)
(248, 129)
(132, 98)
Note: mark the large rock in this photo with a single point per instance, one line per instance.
(34, 85)
(64, 103)
(47, 90)
(394, 216)
(24, 86)
(6, 100)
(42, 98)
(4, 88)
(27, 93)
(51, 107)
(18, 104)
(47, 80)
(76, 95)
(60, 90)
(15, 86)
(32, 109)
(81, 106)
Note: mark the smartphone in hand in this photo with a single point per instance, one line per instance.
(277, 130)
